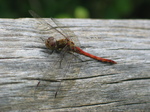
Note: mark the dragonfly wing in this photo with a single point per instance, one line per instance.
(64, 67)
(70, 70)
(46, 28)
(69, 34)
(48, 81)
(51, 81)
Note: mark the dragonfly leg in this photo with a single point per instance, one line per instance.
(42, 39)
(38, 84)
(51, 51)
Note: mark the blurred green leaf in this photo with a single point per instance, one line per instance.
(81, 12)
(115, 9)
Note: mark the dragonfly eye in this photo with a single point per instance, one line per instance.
(50, 43)
(51, 38)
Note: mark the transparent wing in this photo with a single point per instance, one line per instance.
(51, 81)
(46, 29)
(53, 27)
(69, 34)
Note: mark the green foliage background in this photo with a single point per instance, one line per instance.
(102, 9)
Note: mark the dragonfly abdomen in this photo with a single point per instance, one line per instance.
(80, 51)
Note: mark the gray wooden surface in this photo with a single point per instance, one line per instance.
(98, 87)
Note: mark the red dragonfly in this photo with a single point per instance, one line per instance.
(63, 41)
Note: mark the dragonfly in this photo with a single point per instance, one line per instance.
(64, 41)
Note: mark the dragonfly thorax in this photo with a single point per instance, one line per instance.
(53, 44)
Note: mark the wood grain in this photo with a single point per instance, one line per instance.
(97, 87)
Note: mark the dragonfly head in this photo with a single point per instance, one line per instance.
(50, 43)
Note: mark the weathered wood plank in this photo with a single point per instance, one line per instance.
(97, 87)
